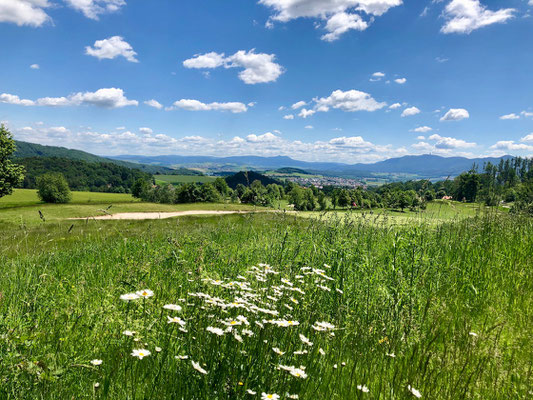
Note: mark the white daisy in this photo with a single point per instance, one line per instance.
(128, 333)
(273, 396)
(362, 388)
(414, 392)
(198, 368)
(305, 340)
(141, 353)
(277, 351)
(129, 297)
(173, 307)
(176, 320)
(216, 331)
(96, 362)
(145, 293)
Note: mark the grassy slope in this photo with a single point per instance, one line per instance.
(415, 291)
(23, 206)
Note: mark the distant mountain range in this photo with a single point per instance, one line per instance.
(428, 166)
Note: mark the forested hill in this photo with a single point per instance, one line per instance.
(25, 150)
(82, 175)
(247, 177)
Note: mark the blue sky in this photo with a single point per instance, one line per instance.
(336, 80)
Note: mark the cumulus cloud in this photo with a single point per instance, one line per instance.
(465, 16)
(527, 114)
(309, 127)
(196, 105)
(377, 76)
(423, 129)
(340, 15)
(298, 105)
(288, 116)
(400, 81)
(146, 131)
(455, 114)
(450, 143)
(350, 100)
(408, 112)
(266, 137)
(24, 12)
(395, 106)
(527, 138)
(510, 145)
(154, 103)
(510, 116)
(257, 67)
(34, 66)
(304, 113)
(94, 8)
(110, 48)
(13, 99)
(341, 23)
(106, 98)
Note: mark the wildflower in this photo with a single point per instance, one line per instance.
(237, 337)
(323, 326)
(247, 332)
(292, 396)
(297, 372)
(286, 281)
(339, 291)
(300, 352)
(277, 351)
(141, 353)
(158, 349)
(96, 385)
(335, 366)
(243, 319)
(415, 392)
(240, 384)
(273, 396)
(173, 307)
(216, 331)
(392, 355)
(128, 333)
(144, 293)
(96, 362)
(129, 297)
(322, 352)
(294, 300)
(288, 307)
(181, 357)
(324, 288)
(362, 388)
(474, 334)
(176, 320)
(249, 391)
(305, 340)
(198, 368)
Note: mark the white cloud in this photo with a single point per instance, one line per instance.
(298, 105)
(12, 99)
(450, 143)
(423, 129)
(107, 98)
(289, 116)
(441, 59)
(257, 67)
(341, 23)
(146, 131)
(304, 113)
(195, 105)
(408, 112)
(455, 114)
(527, 114)
(94, 8)
(420, 138)
(24, 12)
(395, 106)
(154, 103)
(510, 116)
(309, 127)
(266, 137)
(378, 74)
(110, 48)
(340, 15)
(527, 138)
(509, 145)
(465, 16)
(400, 81)
(350, 100)
(34, 66)
(208, 60)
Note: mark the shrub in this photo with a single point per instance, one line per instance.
(53, 188)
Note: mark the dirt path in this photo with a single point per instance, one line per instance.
(162, 215)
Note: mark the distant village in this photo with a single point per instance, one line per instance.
(322, 181)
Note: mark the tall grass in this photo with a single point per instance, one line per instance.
(444, 310)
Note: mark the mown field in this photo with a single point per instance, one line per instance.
(178, 179)
(267, 304)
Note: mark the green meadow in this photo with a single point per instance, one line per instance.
(264, 305)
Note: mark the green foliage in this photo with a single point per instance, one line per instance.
(83, 175)
(10, 173)
(53, 188)
(246, 178)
